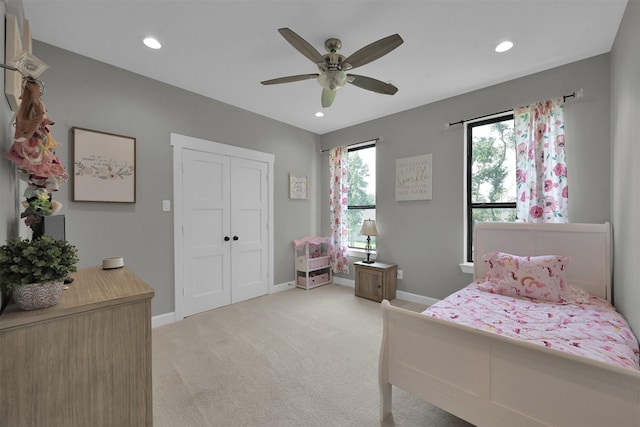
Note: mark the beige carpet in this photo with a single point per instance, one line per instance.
(294, 358)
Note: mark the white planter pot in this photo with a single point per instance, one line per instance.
(35, 296)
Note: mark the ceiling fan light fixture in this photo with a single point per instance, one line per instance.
(151, 42)
(319, 114)
(332, 80)
(332, 66)
(504, 46)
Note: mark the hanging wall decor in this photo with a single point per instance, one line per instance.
(104, 167)
(298, 186)
(413, 178)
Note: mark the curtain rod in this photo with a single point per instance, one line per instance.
(577, 94)
(379, 139)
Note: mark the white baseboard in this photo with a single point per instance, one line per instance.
(343, 282)
(406, 296)
(163, 319)
(168, 318)
(282, 287)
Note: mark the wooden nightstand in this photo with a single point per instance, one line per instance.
(376, 281)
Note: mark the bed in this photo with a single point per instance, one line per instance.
(493, 380)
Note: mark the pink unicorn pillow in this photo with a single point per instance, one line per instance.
(537, 277)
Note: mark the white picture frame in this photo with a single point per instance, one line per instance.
(13, 48)
(298, 186)
(104, 167)
(413, 178)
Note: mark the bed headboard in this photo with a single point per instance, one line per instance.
(588, 245)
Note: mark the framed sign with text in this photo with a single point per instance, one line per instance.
(298, 186)
(104, 167)
(413, 178)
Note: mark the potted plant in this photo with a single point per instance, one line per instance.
(34, 270)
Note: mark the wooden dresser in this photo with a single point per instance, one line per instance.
(85, 361)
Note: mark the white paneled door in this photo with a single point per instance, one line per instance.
(249, 248)
(225, 205)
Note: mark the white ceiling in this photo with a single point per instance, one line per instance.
(223, 49)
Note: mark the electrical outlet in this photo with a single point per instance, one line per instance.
(399, 274)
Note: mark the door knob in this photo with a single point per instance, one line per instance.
(235, 237)
(226, 238)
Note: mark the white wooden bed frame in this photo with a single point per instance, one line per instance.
(491, 380)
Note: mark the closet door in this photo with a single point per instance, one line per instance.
(206, 213)
(249, 226)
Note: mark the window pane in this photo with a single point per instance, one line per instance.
(493, 164)
(356, 216)
(362, 177)
(493, 215)
(362, 193)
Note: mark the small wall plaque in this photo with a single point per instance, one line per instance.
(298, 186)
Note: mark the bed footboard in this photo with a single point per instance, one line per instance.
(492, 380)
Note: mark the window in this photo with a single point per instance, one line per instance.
(491, 174)
(362, 191)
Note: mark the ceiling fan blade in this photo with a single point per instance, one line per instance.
(302, 45)
(372, 52)
(372, 84)
(290, 79)
(327, 97)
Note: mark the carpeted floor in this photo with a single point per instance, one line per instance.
(294, 358)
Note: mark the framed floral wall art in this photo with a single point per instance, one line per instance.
(104, 167)
(298, 186)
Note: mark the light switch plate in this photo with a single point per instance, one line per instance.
(166, 205)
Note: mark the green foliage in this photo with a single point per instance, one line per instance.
(358, 196)
(358, 174)
(489, 171)
(40, 260)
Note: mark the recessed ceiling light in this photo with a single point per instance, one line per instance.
(151, 42)
(319, 114)
(504, 46)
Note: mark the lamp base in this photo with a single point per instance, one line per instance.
(367, 249)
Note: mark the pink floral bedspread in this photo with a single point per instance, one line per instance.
(593, 329)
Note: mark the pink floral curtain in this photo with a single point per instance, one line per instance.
(338, 203)
(541, 167)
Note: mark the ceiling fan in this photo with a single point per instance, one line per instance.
(333, 66)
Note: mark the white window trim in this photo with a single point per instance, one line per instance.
(361, 253)
(464, 266)
(467, 267)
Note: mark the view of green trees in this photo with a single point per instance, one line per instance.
(493, 170)
(358, 196)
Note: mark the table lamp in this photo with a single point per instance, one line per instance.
(368, 229)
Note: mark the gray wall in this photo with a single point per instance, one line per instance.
(425, 238)
(625, 124)
(89, 94)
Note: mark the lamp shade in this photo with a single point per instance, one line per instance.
(369, 228)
